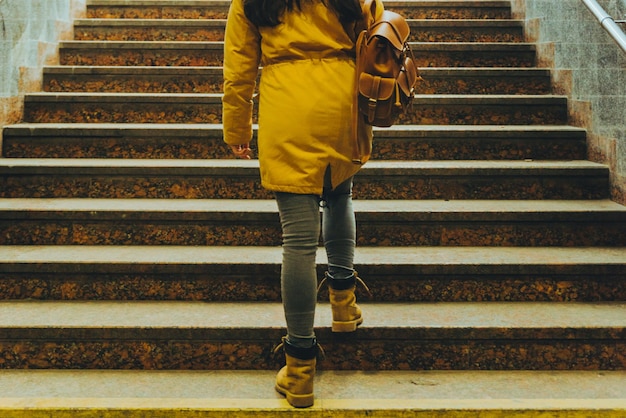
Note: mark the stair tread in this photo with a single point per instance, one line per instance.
(443, 169)
(249, 390)
(125, 95)
(252, 164)
(204, 23)
(38, 255)
(144, 69)
(474, 317)
(431, 46)
(163, 3)
(204, 129)
(215, 22)
(425, 208)
(391, 3)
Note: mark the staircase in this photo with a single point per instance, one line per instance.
(139, 262)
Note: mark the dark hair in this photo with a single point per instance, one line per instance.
(268, 12)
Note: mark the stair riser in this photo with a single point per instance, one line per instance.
(134, 83)
(220, 12)
(199, 111)
(182, 33)
(200, 57)
(203, 57)
(205, 148)
(152, 83)
(388, 283)
(386, 354)
(187, 33)
(267, 233)
(227, 187)
(152, 11)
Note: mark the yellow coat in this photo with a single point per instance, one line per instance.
(305, 95)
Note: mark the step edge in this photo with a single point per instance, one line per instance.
(449, 257)
(242, 407)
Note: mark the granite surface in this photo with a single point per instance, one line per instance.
(129, 111)
(454, 33)
(255, 231)
(356, 355)
(152, 34)
(214, 12)
(426, 55)
(407, 187)
(402, 345)
(142, 81)
(192, 33)
(210, 148)
(424, 111)
(199, 57)
(452, 11)
(154, 11)
(150, 83)
(264, 285)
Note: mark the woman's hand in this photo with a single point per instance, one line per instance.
(242, 151)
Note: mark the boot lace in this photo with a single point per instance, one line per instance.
(357, 279)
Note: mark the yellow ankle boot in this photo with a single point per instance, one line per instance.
(347, 315)
(295, 380)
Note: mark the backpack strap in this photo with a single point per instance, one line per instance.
(361, 135)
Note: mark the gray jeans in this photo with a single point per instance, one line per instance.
(300, 220)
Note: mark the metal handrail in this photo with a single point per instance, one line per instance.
(607, 23)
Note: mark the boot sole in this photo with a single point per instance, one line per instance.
(346, 326)
(297, 401)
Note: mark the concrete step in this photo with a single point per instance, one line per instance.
(62, 79)
(199, 30)
(161, 9)
(216, 9)
(247, 393)
(204, 141)
(231, 179)
(207, 108)
(185, 30)
(251, 273)
(206, 54)
(235, 336)
(475, 30)
(255, 222)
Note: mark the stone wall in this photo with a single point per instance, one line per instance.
(29, 34)
(590, 68)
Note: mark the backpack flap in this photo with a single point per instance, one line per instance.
(393, 28)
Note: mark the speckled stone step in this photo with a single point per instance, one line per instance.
(194, 9)
(432, 109)
(209, 80)
(256, 223)
(198, 30)
(348, 394)
(203, 54)
(235, 336)
(161, 9)
(183, 30)
(251, 273)
(214, 179)
(202, 141)
(239, 394)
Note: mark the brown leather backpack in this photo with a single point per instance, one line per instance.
(386, 70)
(386, 75)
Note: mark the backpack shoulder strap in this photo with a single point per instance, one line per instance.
(353, 29)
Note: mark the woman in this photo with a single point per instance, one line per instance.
(305, 153)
